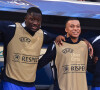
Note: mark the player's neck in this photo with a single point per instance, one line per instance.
(74, 40)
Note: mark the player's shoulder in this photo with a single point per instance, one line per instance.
(7, 23)
(96, 39)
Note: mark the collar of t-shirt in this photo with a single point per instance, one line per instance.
(68, 40)
(27, 29)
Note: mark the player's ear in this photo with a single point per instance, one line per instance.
(66, 30)
(25, 17)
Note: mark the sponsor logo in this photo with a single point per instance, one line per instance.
(65, 68)
(66, 50)
(74, 56)
(16, 57)
(29, 59)
(74, 68)
(78, 68)
(24, 39)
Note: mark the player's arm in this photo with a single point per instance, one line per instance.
(1, 31)
(5, 28)
(48, 56)
(96, 45)
(89, 47)
(49, 38)
(90, 64)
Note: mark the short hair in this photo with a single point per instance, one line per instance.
(71, 18)
(34, 10)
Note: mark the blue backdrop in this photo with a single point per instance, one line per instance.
(54, 7)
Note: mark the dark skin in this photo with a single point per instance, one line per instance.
(33, 21)
(73, 30)
(95, 58)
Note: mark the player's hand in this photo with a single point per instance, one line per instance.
(59, 40)
(90, 48)
(95, 59)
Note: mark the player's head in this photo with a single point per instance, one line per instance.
(73, 28)
(33, 18)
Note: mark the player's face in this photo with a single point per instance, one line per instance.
(33, 21)
(73, 28)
